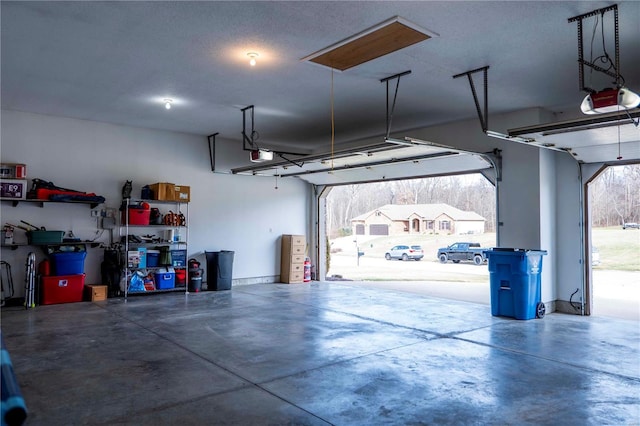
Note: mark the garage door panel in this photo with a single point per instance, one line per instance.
(399, 159)
(459, 163)
(591, 139)
(377, 229)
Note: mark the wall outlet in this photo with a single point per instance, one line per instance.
(95, 213)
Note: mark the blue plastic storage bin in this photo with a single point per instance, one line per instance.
(68, 263)
(179, 258)
(153, 256)
(515, 282)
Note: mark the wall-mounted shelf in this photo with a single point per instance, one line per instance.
(157, 226)
(91, 244)
(41, 203)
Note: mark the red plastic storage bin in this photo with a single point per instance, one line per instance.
(181, 277)
(137, 216)
(62, 289)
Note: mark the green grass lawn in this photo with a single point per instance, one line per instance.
(619, 248)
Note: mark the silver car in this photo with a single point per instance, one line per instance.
(405, 253)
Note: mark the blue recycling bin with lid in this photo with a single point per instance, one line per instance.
(514, 276)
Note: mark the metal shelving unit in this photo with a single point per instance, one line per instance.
(125, 230)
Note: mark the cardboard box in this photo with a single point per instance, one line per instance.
(182, 193)
(13, 171)
(163, 191)
(133, 259)
(95, 292)
(15, 189)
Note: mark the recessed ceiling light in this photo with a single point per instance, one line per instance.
(379, 40)
(167, 103)
(252, 58)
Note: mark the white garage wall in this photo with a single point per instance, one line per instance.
(227, 212)
(548, 205)
(569, 247)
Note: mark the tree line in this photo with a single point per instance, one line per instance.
(614, 197)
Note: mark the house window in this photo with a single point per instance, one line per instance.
(429, 224)
(445, 225)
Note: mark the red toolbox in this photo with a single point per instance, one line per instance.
(62, 289)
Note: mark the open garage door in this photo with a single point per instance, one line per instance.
(390, 160)
(593, 139)
(393, 160)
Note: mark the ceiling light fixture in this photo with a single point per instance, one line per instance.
(252, 58)
(609, 100)
(167, 103)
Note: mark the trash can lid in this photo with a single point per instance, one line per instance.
(516, 250)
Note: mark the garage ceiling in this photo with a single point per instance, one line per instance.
(116, 62)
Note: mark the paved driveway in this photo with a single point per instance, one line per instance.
(616, 293)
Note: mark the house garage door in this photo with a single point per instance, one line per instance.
(378, 229)
(359, 229)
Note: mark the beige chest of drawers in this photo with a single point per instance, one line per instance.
(292, 259)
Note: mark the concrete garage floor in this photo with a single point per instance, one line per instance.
(319, 353)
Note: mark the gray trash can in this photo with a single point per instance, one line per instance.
(219, 269)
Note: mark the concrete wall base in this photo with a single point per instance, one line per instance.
(565, 307)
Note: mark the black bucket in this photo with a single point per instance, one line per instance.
(195, 284)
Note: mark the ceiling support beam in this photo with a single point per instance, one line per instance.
(482, 116)
(212, 150)
(591, 65)
(248, 139)
(251, 139)
(395, 96)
